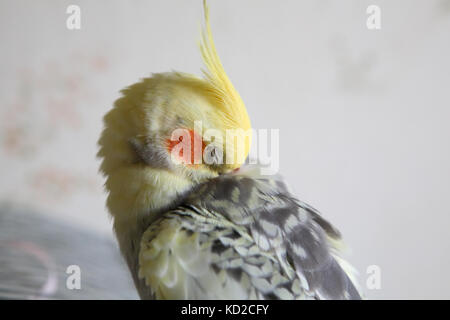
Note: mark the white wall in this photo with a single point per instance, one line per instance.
(363, 115)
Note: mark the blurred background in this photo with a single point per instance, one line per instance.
(363, 117)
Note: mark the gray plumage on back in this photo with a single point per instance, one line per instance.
(260, 238)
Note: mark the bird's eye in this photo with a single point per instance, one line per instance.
(213, 154)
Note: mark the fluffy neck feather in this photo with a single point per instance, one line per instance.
(139, 193)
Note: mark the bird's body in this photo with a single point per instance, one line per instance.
(242, 236)
(208, 230)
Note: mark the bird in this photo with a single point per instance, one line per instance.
(211, 229)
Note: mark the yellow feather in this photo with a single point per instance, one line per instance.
(223, 89)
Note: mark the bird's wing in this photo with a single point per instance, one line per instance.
(189, 254)
(243, 237)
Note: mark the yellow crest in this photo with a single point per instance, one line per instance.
(223, 90)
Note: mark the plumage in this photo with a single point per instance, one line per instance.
(202, 230)
(281, 254)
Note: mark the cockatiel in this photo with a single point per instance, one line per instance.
(208, 229)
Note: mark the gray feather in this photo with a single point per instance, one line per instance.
(289, 229)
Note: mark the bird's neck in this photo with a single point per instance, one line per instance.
(138, 194)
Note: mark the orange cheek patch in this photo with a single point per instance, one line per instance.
(189, 146)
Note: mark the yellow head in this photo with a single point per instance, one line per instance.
(170, 132)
